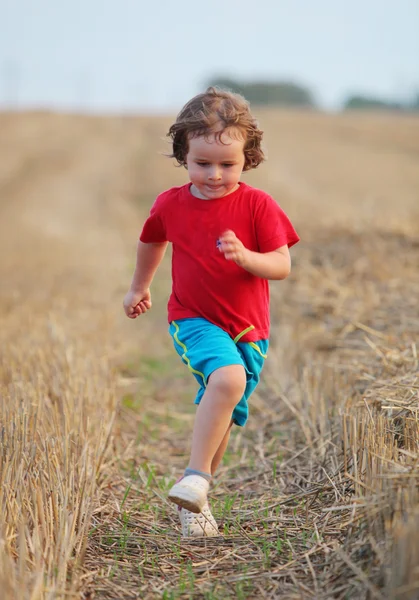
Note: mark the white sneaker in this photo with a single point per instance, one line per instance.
(190, 493)
(201, 525)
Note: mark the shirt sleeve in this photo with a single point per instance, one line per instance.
(273, 227)
(154, 230)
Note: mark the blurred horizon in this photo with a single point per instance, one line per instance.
(152, 57)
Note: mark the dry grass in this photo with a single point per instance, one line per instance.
(318, 496)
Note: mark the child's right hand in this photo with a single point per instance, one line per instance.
(137, 303)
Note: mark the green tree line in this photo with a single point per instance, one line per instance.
(281, 93)
(288, 93)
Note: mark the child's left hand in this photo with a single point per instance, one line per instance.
(232, 248)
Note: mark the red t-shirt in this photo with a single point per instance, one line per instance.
(205, 284)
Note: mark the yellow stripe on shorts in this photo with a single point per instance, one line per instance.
(256, 347)
(242, 333)
(184, 355)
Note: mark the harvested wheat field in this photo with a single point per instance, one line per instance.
(318, 496)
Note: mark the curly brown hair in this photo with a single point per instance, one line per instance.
(213, 112)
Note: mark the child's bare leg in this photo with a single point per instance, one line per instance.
(220, 452)
(224, 391)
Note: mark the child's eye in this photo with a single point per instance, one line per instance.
(205, 164)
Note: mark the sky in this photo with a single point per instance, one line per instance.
(154, 55)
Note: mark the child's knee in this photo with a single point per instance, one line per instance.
(229, 381)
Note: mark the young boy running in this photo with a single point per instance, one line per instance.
(228, 240)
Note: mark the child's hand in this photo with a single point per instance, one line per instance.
(137, 303)
(232, 248)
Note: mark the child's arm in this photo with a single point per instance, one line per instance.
(268, 265)
(138, 299)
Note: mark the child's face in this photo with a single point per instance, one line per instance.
(215, 168)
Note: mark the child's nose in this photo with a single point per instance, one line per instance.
(215, 173)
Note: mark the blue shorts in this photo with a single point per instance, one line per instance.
(204, 347)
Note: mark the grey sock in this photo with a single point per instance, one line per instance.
(189, 471)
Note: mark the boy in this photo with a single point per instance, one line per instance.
(228, 240)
